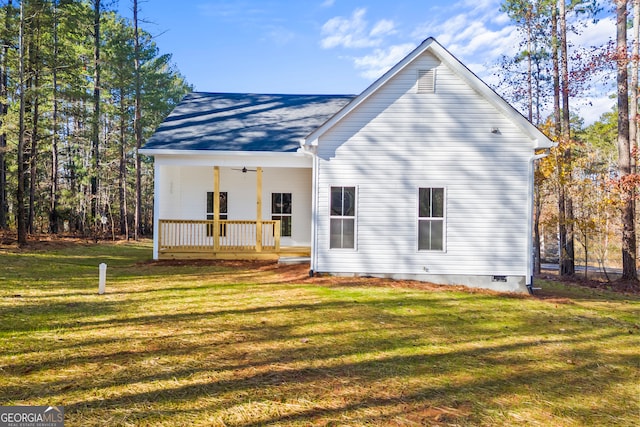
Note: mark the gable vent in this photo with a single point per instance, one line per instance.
(427, 81)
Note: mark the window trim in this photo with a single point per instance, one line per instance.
(443, 219)
(354, 217)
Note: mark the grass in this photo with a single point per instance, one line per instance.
(253, 344)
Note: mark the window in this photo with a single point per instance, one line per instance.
(431, 219)
(281, 210)
(223, 212)
(342, 217)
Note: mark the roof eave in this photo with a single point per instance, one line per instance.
(178, 152)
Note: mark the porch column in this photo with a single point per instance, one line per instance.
(259, 209)
(216, 208)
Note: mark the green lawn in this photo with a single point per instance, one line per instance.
(252, 345)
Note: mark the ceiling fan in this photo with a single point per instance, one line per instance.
(244, 170)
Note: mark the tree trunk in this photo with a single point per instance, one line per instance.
(633, 122)
(137, 123)
(529, 19)
(557, 122)
(122, 190)
(4, 72)
(21, 220)
(33, 159)
(634, 141)
(95, 130)
(624, 148)
(53, 194)
(567, 267)
(34, 82)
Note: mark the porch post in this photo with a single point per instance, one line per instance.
(259, 209)
(216, 208)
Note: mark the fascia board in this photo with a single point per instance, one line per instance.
(229, 158)
(211, 153)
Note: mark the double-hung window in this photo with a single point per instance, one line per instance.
(431, 216)
(223, 212)
(281, 210)
(342, 218)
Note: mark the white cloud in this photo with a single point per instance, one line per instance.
(327, 3)
(595, 34)
(381, 60)
(591, 108)
(280, 35)
(481, 34)
(352, 32)
(382, 27)
(475, 31)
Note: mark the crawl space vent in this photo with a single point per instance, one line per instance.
(426, 81)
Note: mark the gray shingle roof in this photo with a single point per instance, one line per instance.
(244, 122)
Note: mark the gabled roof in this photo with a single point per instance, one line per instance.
(243, 122)
(431, 45)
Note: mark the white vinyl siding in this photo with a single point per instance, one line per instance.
(397, 141)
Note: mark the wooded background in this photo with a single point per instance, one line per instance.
(82, 88)
(587, 188)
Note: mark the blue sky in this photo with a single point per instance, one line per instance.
(332, 46)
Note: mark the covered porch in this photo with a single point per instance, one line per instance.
(242, 218)
(227, 141)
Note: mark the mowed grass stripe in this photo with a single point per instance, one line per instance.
(242, 344)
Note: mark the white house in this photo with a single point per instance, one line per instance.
(427, 175)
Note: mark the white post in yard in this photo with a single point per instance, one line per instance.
(102, 278)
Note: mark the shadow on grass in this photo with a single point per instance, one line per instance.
(260, 373)
(183, 335)
(552, 381)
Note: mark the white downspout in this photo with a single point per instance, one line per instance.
(530, 261)
(314, 216)
(311, 151)
(156, 207)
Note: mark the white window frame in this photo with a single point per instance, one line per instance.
(343, 217)
(223, 214)
(280, 215)
(443, 219)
